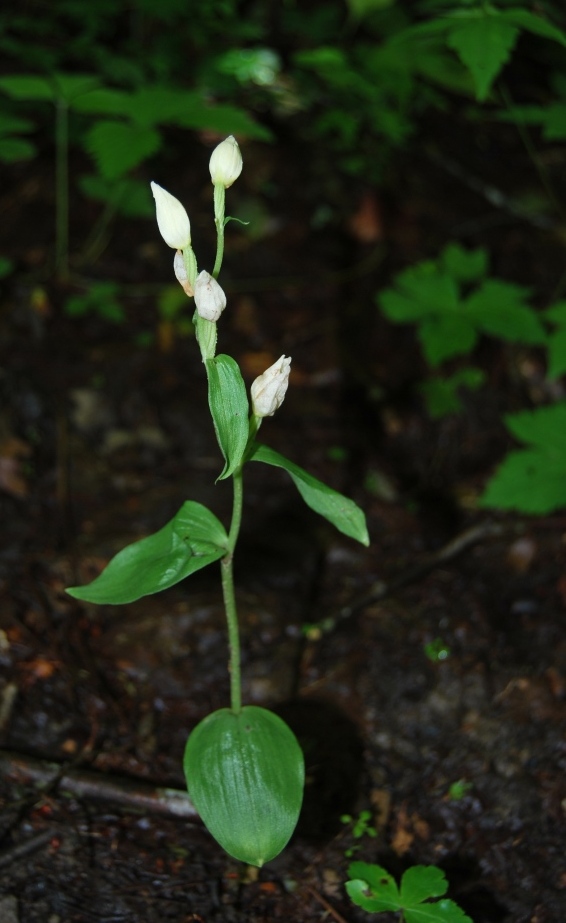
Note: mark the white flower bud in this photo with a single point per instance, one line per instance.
(172, 219)
(210, 300)
(181, 275)
(226, 163)
(268, 391)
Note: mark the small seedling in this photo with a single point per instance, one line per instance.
(459, 789)
(437, 650)
(361, 827)
(373, 889)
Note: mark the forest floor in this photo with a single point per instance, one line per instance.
(425, 676)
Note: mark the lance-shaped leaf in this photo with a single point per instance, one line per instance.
(189, 541)
(338, 509)
(230, 409)
(245, 775)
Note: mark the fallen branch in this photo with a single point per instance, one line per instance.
(129, 794)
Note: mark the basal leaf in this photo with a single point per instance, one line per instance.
(374, 889)
(229, 407)
(245, 776)
(189, 541)
(483, 45)
(443, 911)
(119, 146)
(339, 510)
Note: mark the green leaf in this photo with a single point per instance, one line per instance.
(557, 353)
(14, 149)
(57, 86)
(441, 394)
(129, 196)
(28, 87)
(189, 541)
(528, 21)
(464, 265)
(229, 407)
(532, 480)
(245, 776)
(445, 336)
(103, 101)
(498, 308)
(339, 510)
(483, 45)
(373, 889)
(118, 146)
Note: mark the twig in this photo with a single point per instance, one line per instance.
(381, 590)
(23, 849)
(129, 794)
(328, 907)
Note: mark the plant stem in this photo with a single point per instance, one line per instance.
(219, 205)
(230, 596)
(62, 188)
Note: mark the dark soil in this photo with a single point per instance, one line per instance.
(102, 439)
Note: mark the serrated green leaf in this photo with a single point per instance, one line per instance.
(544, 427)
(119, 146)
(445, 336)
(421, 882)
(532, 480)
(464, 265)
(245, 776)
(524, 19)
(527, 481)
(229, 407)
(372, 888)
(498, 308)
(483, 45)
(190, 541)
(339, 510)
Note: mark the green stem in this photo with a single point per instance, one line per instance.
(230, 596)
(219, 204)
(62, 188)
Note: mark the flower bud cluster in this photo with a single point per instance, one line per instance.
(268, 390)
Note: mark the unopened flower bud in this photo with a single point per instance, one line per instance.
(172, 219)
(210, 300)
(269, 389)
(181, 274)
(226, 163)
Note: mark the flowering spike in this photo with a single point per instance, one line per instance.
(226, 163)
(210, 300)
(172, 219)
(268, 390)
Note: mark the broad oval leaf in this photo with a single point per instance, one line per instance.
(189, 541)
(338, 509)
(245, 776)
(229, 407)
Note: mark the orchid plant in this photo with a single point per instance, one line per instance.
(243, 765)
